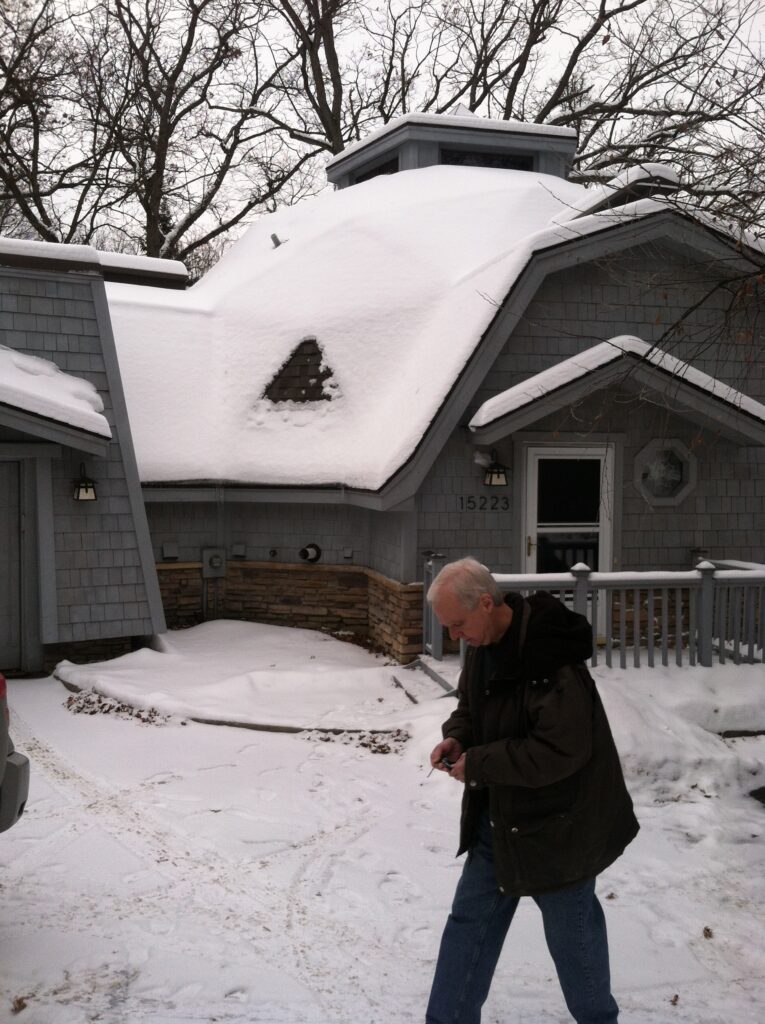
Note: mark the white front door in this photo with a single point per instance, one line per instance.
(568, 508)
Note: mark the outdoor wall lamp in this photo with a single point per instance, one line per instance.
(495, 474)
(84, 488)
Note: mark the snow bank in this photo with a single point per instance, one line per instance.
(185, 873)
(252, 674)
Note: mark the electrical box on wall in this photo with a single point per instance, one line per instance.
(213, 563)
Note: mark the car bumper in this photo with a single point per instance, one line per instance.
(14, 790)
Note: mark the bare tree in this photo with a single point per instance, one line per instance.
(639, 80)
(54, 163)
(199, 157)
(144, 118)
(161, 125)
(327, 90)
(675, 82)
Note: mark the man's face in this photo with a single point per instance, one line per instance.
(474, 626)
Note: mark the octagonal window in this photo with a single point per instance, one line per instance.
(665, 472)
(663, 475)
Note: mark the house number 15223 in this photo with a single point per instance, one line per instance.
(483, 503)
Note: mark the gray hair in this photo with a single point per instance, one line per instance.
(466, 579)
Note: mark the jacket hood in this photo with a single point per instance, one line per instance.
(556, 636)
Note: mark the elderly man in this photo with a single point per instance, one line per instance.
(544, 808)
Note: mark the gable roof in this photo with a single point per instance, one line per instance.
(397, 279)
(622, 360)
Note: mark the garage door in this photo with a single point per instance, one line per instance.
(10, 567)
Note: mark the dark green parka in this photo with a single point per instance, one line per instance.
(540, 749)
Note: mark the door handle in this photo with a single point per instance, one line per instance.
(529, 545)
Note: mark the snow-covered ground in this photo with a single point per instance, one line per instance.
(182, 872)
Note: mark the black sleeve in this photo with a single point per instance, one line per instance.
(558, 744)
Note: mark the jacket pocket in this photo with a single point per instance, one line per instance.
(545, 850)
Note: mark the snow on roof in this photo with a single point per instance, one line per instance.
(38, 386)
(457, 120)
(646, 172)
(614, 350)
(396, 279)
(596, 196)
(143, 264)
(86, 254)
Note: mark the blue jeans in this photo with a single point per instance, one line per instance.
(575, 930)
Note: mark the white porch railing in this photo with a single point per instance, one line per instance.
(696, 617)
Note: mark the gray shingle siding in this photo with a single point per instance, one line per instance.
(379, 540)
(445, 527)
(260, 527)
(392, 549)
(656, 537)
(56, 319)
(642, 293)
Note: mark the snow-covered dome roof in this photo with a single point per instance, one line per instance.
(396, 280)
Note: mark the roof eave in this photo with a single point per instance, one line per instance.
(676, 394)
(48, 429)
(244, 492)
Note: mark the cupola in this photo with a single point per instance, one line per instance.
(460, 137)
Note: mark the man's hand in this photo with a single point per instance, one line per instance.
(448, 750)
(458, 769)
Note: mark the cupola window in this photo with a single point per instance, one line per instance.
(482, 158)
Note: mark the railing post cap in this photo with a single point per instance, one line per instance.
(704, 567)
(580, 569)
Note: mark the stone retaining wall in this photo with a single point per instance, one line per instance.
(395, 616)
(313, 597)
(182, 590)
(334, 598)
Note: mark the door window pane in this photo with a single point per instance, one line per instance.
(569, 491)
(557, 552)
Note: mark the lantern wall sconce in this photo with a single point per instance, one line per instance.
(84, 488)
(495, 474)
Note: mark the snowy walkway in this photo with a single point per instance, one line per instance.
(182, 873)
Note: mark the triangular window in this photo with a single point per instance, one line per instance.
(304, 377)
